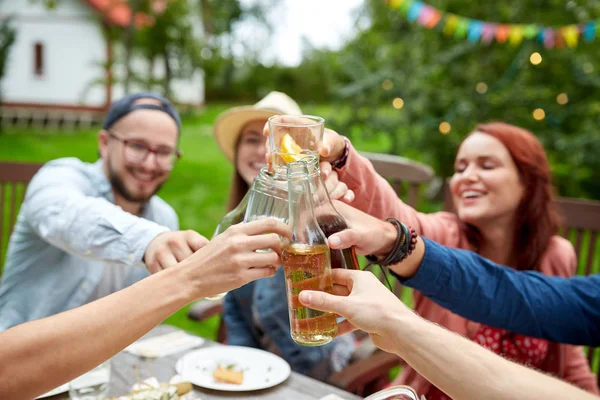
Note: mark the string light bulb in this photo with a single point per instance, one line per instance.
(398, 103)
(539, 114)
(387, 84)
(481, 88)
(562, 99)
(535, 58)
(445, 128)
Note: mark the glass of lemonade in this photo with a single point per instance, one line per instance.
(291, 137)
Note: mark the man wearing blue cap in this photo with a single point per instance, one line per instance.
(87, 230)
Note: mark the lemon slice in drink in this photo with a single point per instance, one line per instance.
(290, 148)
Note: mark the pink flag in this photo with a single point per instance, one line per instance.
(426, 15)
(488, 32)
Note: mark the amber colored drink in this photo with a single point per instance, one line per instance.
(340, 258)
(308, 268)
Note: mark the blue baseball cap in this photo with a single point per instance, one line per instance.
(120, 108)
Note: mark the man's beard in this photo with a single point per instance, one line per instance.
(119, 186)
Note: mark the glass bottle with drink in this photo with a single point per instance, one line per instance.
(306, 263)
(293, 138)
(329, 219)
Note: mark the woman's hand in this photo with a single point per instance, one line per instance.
(364, 302)
(337, 189)
(231, 259)
(367, 234)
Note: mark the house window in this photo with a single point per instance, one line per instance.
(38, 59)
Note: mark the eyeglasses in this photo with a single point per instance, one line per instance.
(136, 152)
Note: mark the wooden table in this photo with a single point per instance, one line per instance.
(124, 367)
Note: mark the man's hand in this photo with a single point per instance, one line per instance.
(169, 248)
(231, 259)
(364, 302)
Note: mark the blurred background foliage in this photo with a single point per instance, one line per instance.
(394, 82)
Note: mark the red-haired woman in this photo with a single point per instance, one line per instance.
(503, 197)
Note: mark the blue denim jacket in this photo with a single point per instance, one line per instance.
(265, 300)
(67, 232)
(527, 302)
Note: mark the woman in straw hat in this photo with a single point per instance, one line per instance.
(256, 314)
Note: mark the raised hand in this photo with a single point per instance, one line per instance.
(231, 259)
(364, 302)
(169, 248)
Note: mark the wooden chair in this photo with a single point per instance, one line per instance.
(14, 178)
(406, 177)
(581, 226)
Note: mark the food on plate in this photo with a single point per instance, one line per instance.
(228, 374)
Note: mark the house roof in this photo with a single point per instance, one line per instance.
(118, 12)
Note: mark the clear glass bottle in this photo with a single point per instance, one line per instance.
(234, 216)
(306, 262)
(330, 220)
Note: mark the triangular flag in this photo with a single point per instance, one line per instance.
(548, 38)
(435, 18)
(530, 31)
(415, 10)
(502, 33)
(425, 15)
(461, 28)
(488, 33)
(405, 6)
(589, 31)
(396, 3)
(515, 37)
(571, 35)
(451, 22)
(474, 30)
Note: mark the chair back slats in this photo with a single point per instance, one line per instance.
(581, 224)
(592, 254)
(2, 211)
(13, 206)
(405, 175)
(14, 178)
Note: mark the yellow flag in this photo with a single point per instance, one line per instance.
(396, 3)
(451, 22)
(571, 35)
(515, 37)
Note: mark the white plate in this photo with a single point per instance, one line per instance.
(53, 392)
(261, 369)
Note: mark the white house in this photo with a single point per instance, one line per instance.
(59, 54)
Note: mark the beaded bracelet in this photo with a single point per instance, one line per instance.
(403, 246)
(340, 162)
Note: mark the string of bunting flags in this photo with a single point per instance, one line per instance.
(476, 30)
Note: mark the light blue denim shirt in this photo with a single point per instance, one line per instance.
(67, 233)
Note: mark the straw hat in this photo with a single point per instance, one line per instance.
(229, 124)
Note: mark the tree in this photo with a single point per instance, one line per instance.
(8, 36)
(445, 79)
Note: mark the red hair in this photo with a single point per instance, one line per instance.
(536, 219)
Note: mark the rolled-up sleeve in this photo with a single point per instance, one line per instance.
(60, 208)
(529, 303)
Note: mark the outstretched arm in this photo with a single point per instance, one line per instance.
(73, 342)
(459, 367)
(529, 303)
